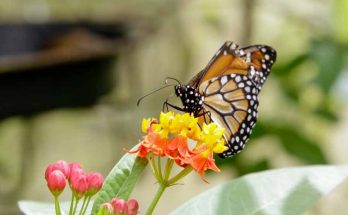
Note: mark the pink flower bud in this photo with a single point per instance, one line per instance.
(119, 205)
(95, 183)
(75, 168)
(74, 165)
(107, 208)
(79, 185)
(61, 165)
(133, 207)
(56, 182)
(75, 173)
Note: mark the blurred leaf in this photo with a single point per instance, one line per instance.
(340, 19)
(285, 191)
(325, 110)
(121, 180)
(329, 58)
(282, 72)
(246, 168)
(299, 146)
(293, 141)
(286, 69)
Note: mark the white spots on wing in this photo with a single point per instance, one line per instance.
(238, 79)
(223, 80)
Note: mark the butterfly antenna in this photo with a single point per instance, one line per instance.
(141, 98)
(170, 78)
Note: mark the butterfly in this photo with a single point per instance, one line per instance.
(227, 89)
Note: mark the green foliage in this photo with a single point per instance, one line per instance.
(287, 191)
(121, 180)
(293, 142)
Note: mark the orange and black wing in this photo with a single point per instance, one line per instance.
(255, 61)
(260, 59)
(230, 85)
(232, 103)
(225, 61)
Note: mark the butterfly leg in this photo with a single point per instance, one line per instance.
(166, 104)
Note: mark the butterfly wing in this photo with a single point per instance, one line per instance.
(255, 61)
(225, 61)
(260, 59)
(232, 103)
(230, 84)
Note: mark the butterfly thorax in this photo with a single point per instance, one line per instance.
(191, 99)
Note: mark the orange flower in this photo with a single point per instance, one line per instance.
(201, 163)
(169, 138)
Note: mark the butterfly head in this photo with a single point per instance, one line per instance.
(191, 99)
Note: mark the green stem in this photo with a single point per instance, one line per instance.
(180, 175)
(75, 206)
(71, 203)
(168, 168)
(56, 205)
(83, 205)
(156, 198)
(154, 168)
(159, 168)
(88, 200)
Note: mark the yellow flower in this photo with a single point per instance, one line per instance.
(220, 147)
(145, 124)
(166, 119)
(212, 139)
(186, 125)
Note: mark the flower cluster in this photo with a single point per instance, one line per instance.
(81, 184)
(119, 207)
(169, 137)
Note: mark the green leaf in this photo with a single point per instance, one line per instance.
(301, 147)
(287, 191)
(293, 141)
(121, 180)
(286, 69)
(329, 57)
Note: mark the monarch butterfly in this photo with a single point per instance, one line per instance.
(226, 90)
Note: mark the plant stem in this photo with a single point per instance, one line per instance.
(83, 205)
(159, 168)
(88, 200)
(156, 198)
(154, 168)
(168, 168)
(56, 205)
(180, 175)
(71, 203)
(77, 201)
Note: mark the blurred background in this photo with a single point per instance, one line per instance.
(72, 71)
